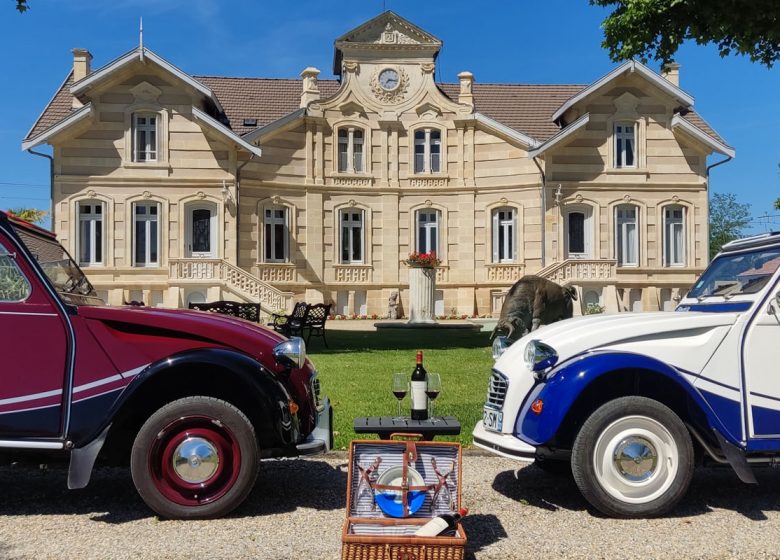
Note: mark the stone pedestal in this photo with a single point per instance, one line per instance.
(422, 288)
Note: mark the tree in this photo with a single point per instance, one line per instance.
(657, 28)
(32, 215)
(22, 6)
(727, 219)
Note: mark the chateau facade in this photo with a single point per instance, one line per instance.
(171, 188)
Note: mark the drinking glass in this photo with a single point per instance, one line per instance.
(400, 388)
(433, 389)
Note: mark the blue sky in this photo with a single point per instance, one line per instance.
(555, 41)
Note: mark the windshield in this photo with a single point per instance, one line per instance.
(66, 276)
(738, 274)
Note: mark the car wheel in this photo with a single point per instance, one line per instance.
(195, 458)
(633, 457)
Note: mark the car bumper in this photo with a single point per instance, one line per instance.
(321, 438)
(505, 445)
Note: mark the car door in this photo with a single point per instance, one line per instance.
(34, 349)
(760, 358)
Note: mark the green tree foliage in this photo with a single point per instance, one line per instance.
(22, 6)
(656, 28)
(32, 215)
(727, 220)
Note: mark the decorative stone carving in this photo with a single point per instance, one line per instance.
(578, 198)
(427, 67)
(352, 181)
(147, 194)
(504, 200)
(428, 203)
(352, 203)
(276, 199)
(627, 198)
(91, 193)
(353, 274)
(352, 67)
(201, 195)
(145, 93)
(676, 198)
(428, 182)
(392, 305)
(392, 96)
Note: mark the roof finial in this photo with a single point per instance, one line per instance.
(141, 38)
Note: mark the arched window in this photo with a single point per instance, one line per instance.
(146, 234)
(674, 235)
(504, 235)
(201, 233)
(427, 151)
(428, 231)
(276, 245)
(579, 233)
(627, 235)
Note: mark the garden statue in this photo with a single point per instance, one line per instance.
(392, 305)
(531, 302)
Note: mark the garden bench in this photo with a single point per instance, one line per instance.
(247, 311)
(292, 324)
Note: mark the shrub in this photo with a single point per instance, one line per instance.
(594, 309)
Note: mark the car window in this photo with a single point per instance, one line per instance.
(738, 273)
(13, 284)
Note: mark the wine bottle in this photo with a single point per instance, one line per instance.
(419, 385)
(441, 524)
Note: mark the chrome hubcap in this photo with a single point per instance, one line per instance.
(635, 459)
(195, 460)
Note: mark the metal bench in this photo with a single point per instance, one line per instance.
(247, 311)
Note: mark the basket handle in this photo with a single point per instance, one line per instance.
(402, 436)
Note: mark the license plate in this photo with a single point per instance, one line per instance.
(493, 419)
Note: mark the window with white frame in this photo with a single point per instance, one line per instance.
(504, 246)
(350, 150)
(145, 137)
(275, 233)
(674, 235)
(427, 151)
(625, 144)
(578, 233)
(146, 234)
(90, 233)
(627, 235)
(428, 231)
(352, 236)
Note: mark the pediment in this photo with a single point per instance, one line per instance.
(145, 92)
(428, 111)
(389, 29)
(352, 108)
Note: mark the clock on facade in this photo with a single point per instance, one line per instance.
(388, 79)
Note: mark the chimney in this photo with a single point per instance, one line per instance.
(466, 97)
(81, 69)
(311, 92)
(671, 71)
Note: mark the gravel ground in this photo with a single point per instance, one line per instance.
(297, 510)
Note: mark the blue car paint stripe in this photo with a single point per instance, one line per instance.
(716, 307)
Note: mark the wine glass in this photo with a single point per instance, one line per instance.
(400, 388)
(432, 390)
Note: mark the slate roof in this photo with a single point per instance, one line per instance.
(527, 108)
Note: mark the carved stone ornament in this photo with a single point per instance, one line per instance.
(91, 193)
(428, 203)
(276, 199)
(427, 67)
(627, 198)
(147, 194)
(201, 195)
(352, 66)
(145, 92)
(578, 198)
(503, 200)
(676, 198)
(352, 203)
(392, 96)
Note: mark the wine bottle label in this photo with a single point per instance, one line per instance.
(434, 527)
(419, 398)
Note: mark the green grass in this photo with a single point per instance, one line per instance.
(356, 373)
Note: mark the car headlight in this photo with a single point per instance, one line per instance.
(291, 352)
(539, 357)
(500, 344)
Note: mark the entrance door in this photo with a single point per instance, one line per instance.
(34, 349)
(201, 232)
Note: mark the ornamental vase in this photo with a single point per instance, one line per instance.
(422, 289)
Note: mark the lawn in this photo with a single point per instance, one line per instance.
(356, 373)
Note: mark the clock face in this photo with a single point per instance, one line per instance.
(388, 79)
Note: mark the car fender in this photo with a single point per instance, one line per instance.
(566, 382)
(258, 383)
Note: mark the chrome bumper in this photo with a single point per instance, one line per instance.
(505, 445)
(320, 440)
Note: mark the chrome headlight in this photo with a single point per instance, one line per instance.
(500, 344)
(291, 352)
(539, 357)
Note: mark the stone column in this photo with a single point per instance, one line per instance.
(422, 288)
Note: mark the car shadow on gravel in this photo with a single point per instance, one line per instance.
(711, 488)
(282, 486)
(482, 530)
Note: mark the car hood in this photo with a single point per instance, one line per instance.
(254, 340)
(685, 340)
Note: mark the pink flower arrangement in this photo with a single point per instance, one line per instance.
(422, 260)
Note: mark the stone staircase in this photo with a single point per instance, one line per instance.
(232, 278)
(572, 271)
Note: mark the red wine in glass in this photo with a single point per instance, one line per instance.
(400, 395)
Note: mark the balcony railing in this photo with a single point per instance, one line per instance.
(580, 270)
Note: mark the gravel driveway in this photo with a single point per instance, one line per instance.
(297, 510)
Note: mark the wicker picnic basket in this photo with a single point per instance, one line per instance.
(369, 534)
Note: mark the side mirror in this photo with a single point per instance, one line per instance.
(291, 352)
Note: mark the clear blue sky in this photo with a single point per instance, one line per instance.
(551, 41)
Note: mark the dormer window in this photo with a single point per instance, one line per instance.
(145, 137)
(350, 150)
(427, 151)
(625, 145)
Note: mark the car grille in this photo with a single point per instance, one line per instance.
(497, 390)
